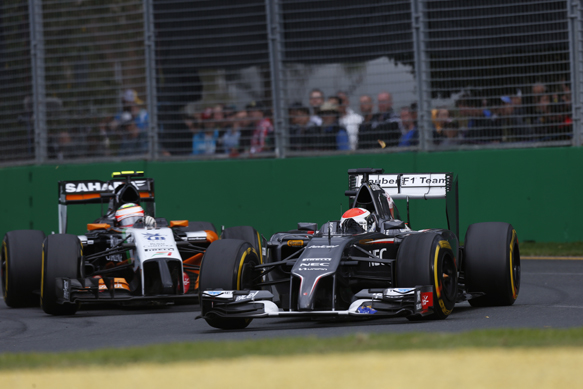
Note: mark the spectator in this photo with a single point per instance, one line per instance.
(316, 100)
(301, 131)
(384, 125)
(204, 142)
(511, 124)
(133, 105)
(439, 118)
(450, 134)
(263, 133)
(411, 136)
(482, 125)
(332, 135)
(133, 140)
(349, 119)
(231, 138)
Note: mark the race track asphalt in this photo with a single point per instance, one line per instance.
(551, 296)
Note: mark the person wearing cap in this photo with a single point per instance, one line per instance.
(332, 135)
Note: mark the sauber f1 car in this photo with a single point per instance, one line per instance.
(149, 261)
(372, 267)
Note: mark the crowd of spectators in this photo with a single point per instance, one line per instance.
(540, 113)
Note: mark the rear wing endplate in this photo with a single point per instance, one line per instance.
(408, 186)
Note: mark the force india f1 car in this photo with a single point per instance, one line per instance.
(150, 262)
(382, 270)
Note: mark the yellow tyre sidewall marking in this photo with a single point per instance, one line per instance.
(441, 244)
(42, 277)
(5, 270)
(260, 253)
(249, 250)
(514, 292)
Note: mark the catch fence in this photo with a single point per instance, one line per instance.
(88, 80)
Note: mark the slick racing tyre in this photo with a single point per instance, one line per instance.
(199, 226)
(492, 263)
(248, 234)
(61, 258)
(227, 264)
(21, 266)
(427, 259)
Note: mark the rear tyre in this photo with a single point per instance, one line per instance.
(248, 234)
(228, 264)
(61, 258)
(492, 263)
(427, 259)
(21, 267)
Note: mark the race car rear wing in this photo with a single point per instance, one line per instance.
(100, 192)
(408, 186)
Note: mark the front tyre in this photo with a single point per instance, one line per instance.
(62, 258)
(21, 266)
(228, 264)
(492, 263)
(427, 259)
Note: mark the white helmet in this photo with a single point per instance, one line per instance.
(362, 217)
(128, 214)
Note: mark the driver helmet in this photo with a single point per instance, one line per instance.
(128, 214)
(362, 217)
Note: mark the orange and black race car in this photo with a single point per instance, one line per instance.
(127, 256)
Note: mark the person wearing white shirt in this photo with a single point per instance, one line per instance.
(349, 119)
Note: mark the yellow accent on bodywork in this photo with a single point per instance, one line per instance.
(260, 248)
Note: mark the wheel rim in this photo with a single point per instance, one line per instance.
(516, 269)
(448, 277)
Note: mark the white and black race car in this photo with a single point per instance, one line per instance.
(152, 261)
(381, 269)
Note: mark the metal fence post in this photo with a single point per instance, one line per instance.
(575, 44)
(37, 54)
(150, 58)
(422, 74)
(274, 36)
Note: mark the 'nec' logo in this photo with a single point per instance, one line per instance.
(150, 236)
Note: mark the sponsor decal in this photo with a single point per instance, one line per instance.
(426, 300)
(366, 310)
(314, 264)
(218, 293)
(403, 290)
(99, 186)
(323, 247)
(166, 248)
(162, 254)
(377, 296)
(66, 289)
(186, 281)
(312, 268)
(295, 243)
(397, 292)
(316, 259)
(250, 296)
(153, 236)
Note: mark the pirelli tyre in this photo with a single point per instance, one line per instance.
(21, 267)
(227, 264)
(248, 234)
(492, 263)
(427, 259)
(61, 259)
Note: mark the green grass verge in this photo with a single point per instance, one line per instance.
(538, 249)
(296, 346)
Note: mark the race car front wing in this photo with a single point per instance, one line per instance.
(368, 303)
